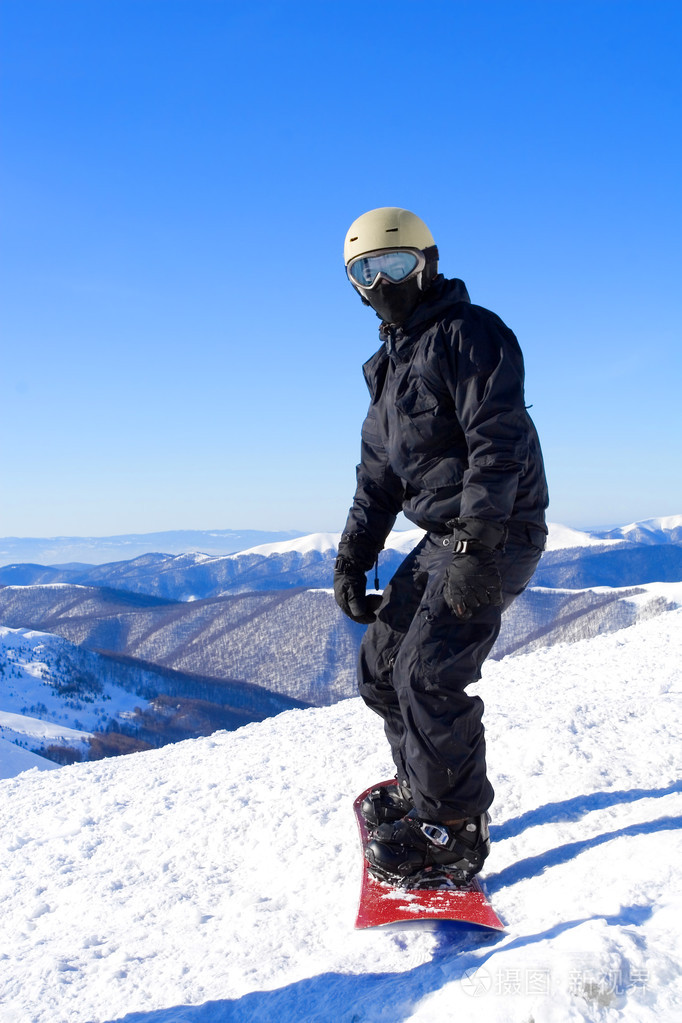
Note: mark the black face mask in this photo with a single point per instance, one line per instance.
(394, 303)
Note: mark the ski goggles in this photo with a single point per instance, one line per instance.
(394, 265)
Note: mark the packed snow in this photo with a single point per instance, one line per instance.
(216, 880)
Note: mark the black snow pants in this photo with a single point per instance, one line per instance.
(416, 661)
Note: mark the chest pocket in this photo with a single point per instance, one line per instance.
(418, 401)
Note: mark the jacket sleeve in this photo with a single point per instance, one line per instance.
(378, 498)
(490, 406)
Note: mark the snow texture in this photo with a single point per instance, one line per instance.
(216, 880)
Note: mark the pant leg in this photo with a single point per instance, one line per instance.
(444, 746)
(415, 666)
(445, 749)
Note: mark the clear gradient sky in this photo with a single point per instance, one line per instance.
(180, 347)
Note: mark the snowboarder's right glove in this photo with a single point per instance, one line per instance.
(472, 579)
(356, 556)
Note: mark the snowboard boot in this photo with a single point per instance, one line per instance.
(406, 848)
(386, 804)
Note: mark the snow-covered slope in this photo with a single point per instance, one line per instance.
(295, 643)
(563, 537)
(216, 880)
(60, 699)
(54, 695)
(320, 542)
(15, 760)
(542, 617)
(291, 642)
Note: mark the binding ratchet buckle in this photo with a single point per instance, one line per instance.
(437, 835)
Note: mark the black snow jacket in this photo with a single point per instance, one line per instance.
(447, 434)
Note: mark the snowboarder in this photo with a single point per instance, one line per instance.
(447, 439)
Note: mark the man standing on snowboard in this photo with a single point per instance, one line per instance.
(447, 439)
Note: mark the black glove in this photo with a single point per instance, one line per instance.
(472, 579)
(350, 585)
(357, 553)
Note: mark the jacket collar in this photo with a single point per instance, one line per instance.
(436, 304)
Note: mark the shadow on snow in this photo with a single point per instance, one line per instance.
(371, 997)
(574, 809)
(460, 951)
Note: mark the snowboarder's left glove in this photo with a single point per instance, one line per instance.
(472, 580)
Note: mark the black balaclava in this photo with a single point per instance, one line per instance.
(394, 303)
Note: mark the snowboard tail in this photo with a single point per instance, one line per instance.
(432, 897)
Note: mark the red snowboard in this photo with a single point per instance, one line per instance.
(382, 903)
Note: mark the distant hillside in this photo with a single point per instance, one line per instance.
(293, 642)
(624, 564)
(66, 702)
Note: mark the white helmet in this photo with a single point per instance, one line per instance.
(388, 227)
(391, 260)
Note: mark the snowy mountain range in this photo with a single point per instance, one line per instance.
(95, 550)
(573, 558)
(667, 529)
(203, 642)
(216, 880)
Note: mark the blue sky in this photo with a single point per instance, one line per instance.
(180, 347)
